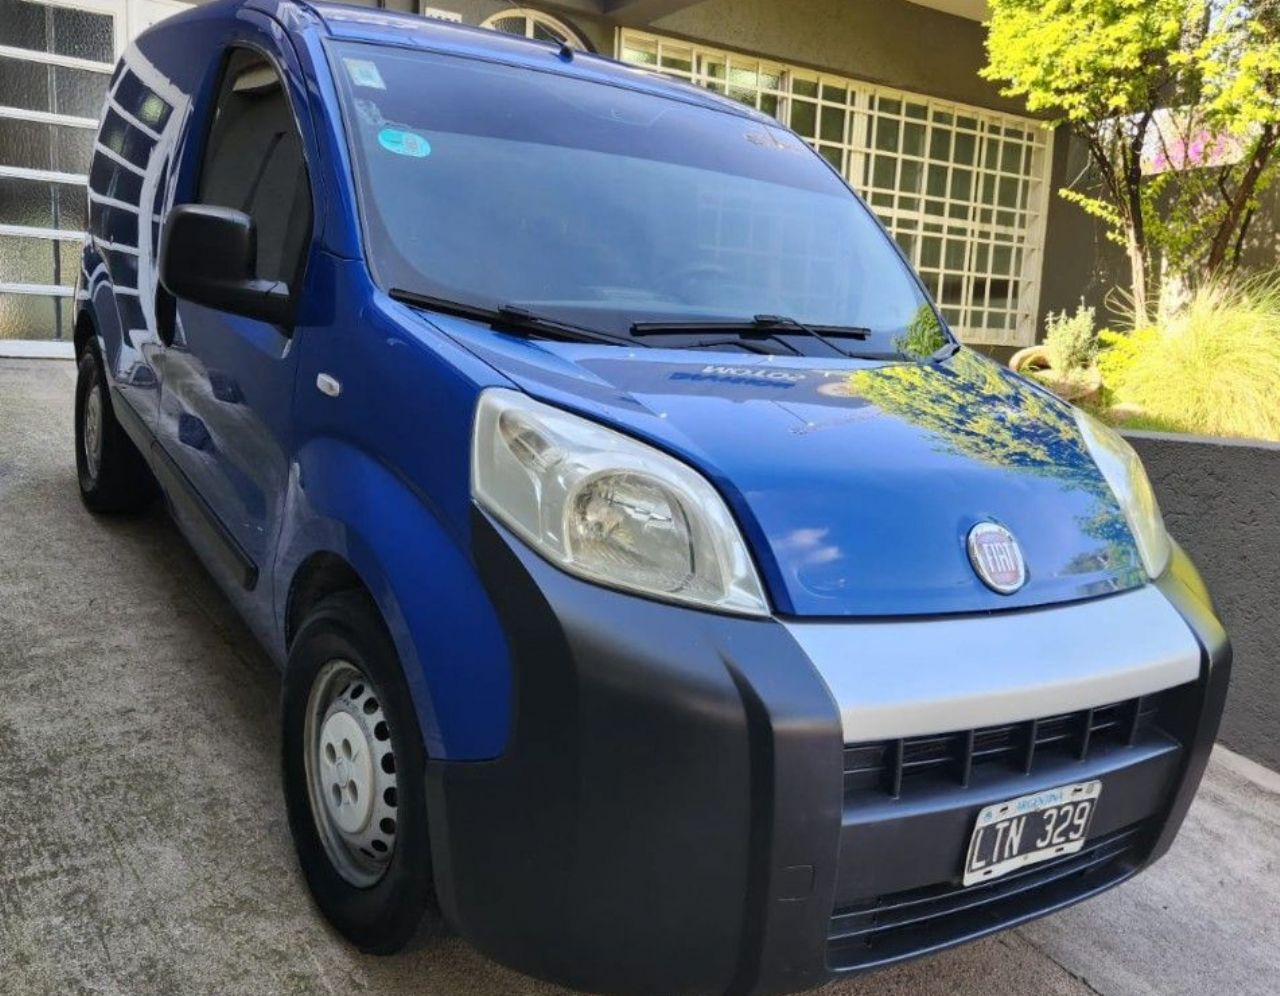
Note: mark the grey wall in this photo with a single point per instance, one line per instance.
(1080, 262)
(884, 41)
(1262, 242)
(1221, 500)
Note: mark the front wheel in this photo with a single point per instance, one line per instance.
(354, 776)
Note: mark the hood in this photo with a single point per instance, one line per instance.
(856, 483)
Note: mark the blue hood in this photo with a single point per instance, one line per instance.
(856, 482)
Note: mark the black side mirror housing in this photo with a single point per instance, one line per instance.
(208, 255)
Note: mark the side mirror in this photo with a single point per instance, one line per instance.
(209, 255)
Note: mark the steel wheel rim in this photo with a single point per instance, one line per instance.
(350, 772)
(93, 430)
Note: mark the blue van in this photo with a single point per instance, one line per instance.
(659, 588)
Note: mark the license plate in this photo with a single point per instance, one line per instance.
(1030, 829)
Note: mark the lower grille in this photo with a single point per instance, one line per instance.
(900, 925)
(888, 765)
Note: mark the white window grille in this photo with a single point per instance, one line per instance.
(963, 190)
(534, 24)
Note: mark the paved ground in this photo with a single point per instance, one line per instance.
(143, 845)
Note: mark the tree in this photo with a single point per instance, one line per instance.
(1178, 103)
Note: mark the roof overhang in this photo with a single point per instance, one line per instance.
(647, 11)
(973, 10)
(643, 11)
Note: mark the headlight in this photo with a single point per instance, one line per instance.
(609, 508)
(1123, 470)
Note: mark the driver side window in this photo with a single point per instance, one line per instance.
(253, 162)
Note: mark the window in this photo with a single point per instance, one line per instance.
(254, 163)
(534, 24)
(963, 191)
(55, 72)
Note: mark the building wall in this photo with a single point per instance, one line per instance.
(883, 41)
(1081, 263)
(1219, 501)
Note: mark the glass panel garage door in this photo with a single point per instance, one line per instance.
(963, 190)
(55, 69)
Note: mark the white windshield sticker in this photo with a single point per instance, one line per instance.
(365, 73)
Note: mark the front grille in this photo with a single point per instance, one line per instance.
(899, 925)
(889, 765)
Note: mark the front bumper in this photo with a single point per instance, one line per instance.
(679, 810)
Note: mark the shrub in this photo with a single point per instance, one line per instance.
(1213, 368)
(1119, 350)
(924, 334)
(1070, 341)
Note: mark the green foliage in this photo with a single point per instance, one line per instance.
(1155, 89)
(1070, 340)
(1086, 60)
(1213, 368)
(924, 334)
(1118, 351)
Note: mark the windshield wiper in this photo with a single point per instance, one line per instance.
(760, 327)
(945, 351)
(513, 318)
(823, 335)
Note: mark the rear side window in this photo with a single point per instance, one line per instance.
(253, 162)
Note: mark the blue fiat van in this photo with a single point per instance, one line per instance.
(659, 588)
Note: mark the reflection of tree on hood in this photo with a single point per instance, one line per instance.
(976, 409)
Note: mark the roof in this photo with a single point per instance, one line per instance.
(405, 30)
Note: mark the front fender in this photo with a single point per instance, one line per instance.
(451, 646)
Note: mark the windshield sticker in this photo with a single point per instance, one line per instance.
(365, 73)
(404, 143)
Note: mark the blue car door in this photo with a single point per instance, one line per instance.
(227, 380)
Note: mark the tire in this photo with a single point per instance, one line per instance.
(113, 475)
(375, 902)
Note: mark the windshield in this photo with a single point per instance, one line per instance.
(491, 185)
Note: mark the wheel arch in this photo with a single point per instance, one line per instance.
(86, 330)
(320, 575)
(352, 522)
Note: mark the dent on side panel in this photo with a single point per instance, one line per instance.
(444, 627)
(909, 678)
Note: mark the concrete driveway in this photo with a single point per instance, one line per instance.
(143, 844)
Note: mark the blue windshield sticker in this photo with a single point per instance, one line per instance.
(404, 143)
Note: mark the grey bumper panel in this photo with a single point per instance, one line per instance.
(906, 678)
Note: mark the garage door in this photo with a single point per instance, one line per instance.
(56, 58)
